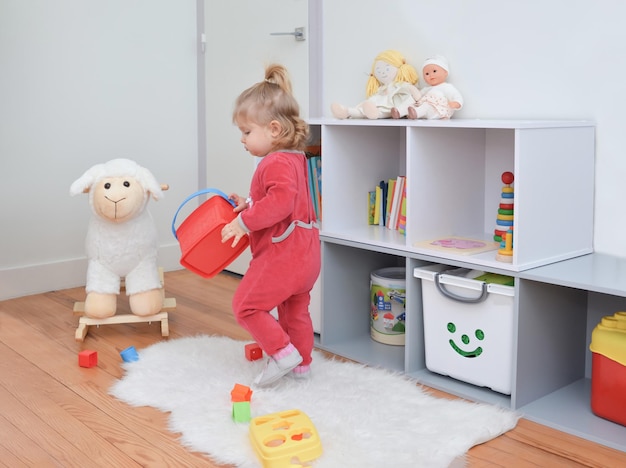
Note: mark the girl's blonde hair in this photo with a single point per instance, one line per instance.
(406, 73)
(272, 99)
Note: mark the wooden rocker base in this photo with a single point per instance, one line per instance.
(169, 303)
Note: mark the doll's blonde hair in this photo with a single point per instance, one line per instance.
(272, 99)
(406, 73)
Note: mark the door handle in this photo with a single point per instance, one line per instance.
(298, 34)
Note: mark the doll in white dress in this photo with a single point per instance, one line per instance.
(439, 99)
(391, 85)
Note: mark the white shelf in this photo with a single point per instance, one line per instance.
(568, 410)
(453, 171)
(367, 351)
(599, 272)
(454, 123)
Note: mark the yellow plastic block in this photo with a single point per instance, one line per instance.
(609, 337)
(285, 439)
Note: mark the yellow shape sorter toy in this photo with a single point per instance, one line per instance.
(285, 439)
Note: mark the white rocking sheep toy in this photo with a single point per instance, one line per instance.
(121, 238)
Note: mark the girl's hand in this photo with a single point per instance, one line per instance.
(241, 202)
(233, 230)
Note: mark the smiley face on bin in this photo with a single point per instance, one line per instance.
(466, 342)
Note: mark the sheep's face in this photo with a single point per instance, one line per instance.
(118, 199)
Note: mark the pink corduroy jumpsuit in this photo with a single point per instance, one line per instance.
(285, 247)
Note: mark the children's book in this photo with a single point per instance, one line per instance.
(458, 245)
(371, 207)
(378, 197)
(395, 204)
(312, 189)
(383, 202)
(318, 173)
(390, 189)
(402, 214)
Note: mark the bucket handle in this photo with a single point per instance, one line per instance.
(455, 297)
(197, 194)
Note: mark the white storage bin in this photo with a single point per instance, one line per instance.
(468, 326)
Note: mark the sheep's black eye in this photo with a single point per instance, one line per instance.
(126, 183)
(107, 186)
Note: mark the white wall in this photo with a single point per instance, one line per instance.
(530, 59)
(83, 82)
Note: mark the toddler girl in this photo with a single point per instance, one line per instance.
(278, 217)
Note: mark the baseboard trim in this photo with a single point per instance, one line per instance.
(36, 279)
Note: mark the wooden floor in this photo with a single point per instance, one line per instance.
(56, 413)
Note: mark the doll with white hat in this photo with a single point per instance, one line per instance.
(440, 99)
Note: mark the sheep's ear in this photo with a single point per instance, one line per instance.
(150, 183)
(84, 182)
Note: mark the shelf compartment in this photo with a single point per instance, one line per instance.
(568, 410)
(356, 159)
(453, 171)
(374, 236)
(366, 351)
(346, 306)
(455, 184)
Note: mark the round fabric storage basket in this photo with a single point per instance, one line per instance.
(387, 311)
(200, 235)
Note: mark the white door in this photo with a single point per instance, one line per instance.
(239, 45)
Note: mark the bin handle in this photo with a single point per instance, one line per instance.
(456, 297)
(197, 194)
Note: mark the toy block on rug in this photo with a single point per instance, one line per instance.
(280, 439)
(169, 304)
(253, 352)
(241, 411)
(241, 395)
(88, 358)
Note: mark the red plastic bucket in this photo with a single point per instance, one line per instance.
(200, 235)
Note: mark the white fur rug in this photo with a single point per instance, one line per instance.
(365, 417)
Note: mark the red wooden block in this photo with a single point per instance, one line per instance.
(253, 352)
(88, 358)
